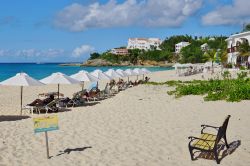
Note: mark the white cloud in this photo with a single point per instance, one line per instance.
(54, 52)
(236, 13)
(32, 53)
(28, 53)
(4, 52)
(82, 50)
(39, 53)
(169, 13)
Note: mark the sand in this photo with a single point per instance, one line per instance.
(141, 126)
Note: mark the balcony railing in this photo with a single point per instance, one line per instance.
(233, 49)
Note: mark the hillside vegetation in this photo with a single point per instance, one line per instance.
(189, 54)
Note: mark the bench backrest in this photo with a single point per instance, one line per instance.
(222, 130)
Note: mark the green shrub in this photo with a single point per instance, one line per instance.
(229, 65)
(242, 68)
(242, 75)
(226, 75)
(233, 90)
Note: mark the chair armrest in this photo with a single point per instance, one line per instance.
(208, 126)
(193, 138)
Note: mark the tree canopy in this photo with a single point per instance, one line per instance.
(246, 28)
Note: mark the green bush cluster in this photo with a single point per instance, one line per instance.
(233, 90)
(114, 58)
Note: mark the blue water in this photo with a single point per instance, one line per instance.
(39, 71)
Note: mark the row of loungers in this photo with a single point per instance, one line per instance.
(190, 71)
(80, 98)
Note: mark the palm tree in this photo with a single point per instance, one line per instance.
(134, 53)
(209, 55)
(244, 50)
(223, 56)
(247, 28)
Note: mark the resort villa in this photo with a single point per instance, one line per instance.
(180, 45)
(233, 43)
(144, 43)
(119, 51)
(204, 47)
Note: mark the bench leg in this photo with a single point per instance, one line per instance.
(191, 152)
(216, 156)
(225, 138)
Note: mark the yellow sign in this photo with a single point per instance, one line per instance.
(47, 123)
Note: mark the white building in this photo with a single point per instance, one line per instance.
(119, 51)
(180, 45)
(204, 47)
(233, 43)
(144, 43)
(211, 39)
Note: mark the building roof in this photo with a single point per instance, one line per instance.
(182, 43)
(204, 45)
(145, 39)
(238, 35)
(120, 49)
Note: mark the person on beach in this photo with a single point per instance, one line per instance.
(147, 79)
(121, 81)
(112, 82)
(39, 102)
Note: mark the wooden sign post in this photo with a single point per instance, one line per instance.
(45, 124)
(47, 143)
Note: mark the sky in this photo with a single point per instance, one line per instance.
(69, 30)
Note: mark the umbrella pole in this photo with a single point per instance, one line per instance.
(137, 78)
(128, 79)
(58, 88)
(21, 99)
(82, 85)
(143, 77)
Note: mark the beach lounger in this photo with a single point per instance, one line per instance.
(125, 86)
(208, 142)
(52, 106)
(114, 89)
(93, 94)
(122, 86)
(77, 100)
(106, 92)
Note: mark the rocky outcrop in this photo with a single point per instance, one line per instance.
(96, 62)
(102, 62)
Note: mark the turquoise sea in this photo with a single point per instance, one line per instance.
(39, 71)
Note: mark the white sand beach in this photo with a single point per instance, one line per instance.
(141, 126)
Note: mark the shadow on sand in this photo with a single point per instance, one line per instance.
(68, 150)
(12, 117)
(222, 150)
(92, 103)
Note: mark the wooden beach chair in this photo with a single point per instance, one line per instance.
(208, 142)
(52, 106)
(106, 92)
(77, 99)
(94, 94)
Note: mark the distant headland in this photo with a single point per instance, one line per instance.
(179, 48)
